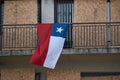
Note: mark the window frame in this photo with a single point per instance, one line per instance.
(56, 2)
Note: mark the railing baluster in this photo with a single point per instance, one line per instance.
(117, 35)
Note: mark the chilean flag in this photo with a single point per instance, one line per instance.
(51, 42)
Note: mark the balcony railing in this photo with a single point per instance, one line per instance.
(80, 35)
(19, 37)
(96, 35)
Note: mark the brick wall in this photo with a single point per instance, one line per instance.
(89, 10)
(115, 10)
(95, 10)
(20, 12)
(18, 74)
(63, 74)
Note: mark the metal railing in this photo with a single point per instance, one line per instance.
(24, 36)
(19, 37)
(96, 35)
(90, 35)
(80, 35)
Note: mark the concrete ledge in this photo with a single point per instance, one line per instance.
(91, 51)
(65, 51)
(16, 52)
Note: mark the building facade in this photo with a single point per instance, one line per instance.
(92, 46)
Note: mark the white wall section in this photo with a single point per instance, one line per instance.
(47, 11)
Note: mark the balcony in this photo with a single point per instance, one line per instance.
(99, 37)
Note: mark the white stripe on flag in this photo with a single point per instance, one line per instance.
(55, 48)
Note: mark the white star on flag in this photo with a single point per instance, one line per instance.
(59, 30)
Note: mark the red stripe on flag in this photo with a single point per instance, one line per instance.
(44, 32)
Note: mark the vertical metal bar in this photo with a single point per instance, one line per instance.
(23, 36)
(98, 35)
(39, 11)
(58, 11)
(72, 11)
(112, 36)
(55, 10)
(23, 33)
(66, 10)
(7, 36)
(16, 40)
(37, 41)
(101, 32)
(88, 36)
(0, 37)
(78, 35)
(81, 35)
(3, 36)
(86, 31)
(67, 15)
(1, 20)
(95, 35)
(117, 35)
(71, 3)
(26, 38)
(18, 33)
(0, 13)
(12, 36)
(77, 38)
(114, 31)
(29, 37)
(33, 40)
(92, 36)
(17, 36)
(84, 36)
(62, 2)
(61, 13)
(108, 24)
(103, 36)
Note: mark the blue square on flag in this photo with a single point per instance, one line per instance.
(59, 30)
